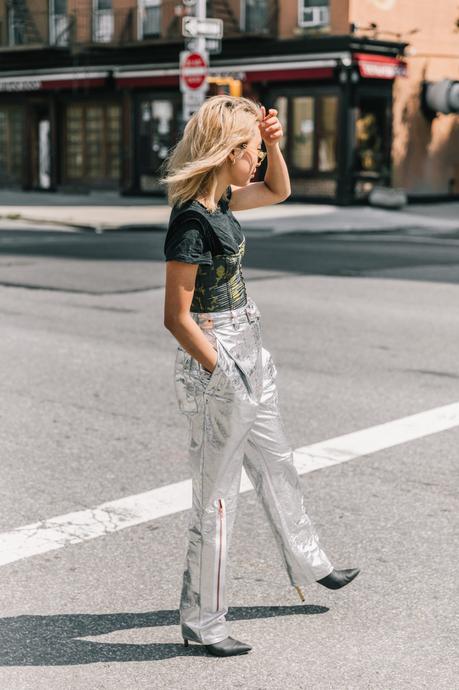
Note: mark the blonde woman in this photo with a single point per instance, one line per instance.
(224, 377)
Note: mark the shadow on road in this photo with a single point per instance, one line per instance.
(53, 640)
(379, 255)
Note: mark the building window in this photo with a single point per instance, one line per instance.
(326, 132)
(254, 15)
(313, 13)
(11, 144)
(371, 154)
(16, 29)
(103, 22)
(310, 125)
(281, 105)
(149, 18)
(92, 143)
(59, 23)
(303, 132)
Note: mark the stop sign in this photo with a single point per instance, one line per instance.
(193, 70)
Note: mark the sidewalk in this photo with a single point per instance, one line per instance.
(108, 211)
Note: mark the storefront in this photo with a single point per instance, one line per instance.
(338, 128)
(112, 127)
(60, 130)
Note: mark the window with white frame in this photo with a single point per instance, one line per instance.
(313, 13)
(59, 23)
(149, 14)
(103, 22)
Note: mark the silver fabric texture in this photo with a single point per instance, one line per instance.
(234, 421)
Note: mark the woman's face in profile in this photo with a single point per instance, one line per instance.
(246, 163)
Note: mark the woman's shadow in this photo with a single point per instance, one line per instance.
(53, 640)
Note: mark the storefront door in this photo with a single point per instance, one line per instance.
(157, 132)
(372, 139)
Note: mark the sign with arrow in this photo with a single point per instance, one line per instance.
(196, 27)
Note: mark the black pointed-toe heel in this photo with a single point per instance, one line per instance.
(339, 578)
(228, 647)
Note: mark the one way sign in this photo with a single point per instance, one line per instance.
(195, 27)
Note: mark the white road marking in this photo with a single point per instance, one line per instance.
(79, 526)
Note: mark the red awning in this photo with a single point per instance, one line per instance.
(262, 71)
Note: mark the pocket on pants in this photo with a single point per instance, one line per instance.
(192, 380)
(236, 377)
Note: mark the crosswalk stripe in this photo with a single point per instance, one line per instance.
(82, 525)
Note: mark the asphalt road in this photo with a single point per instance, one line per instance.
(364, 329)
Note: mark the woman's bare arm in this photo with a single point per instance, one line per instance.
(180, 281)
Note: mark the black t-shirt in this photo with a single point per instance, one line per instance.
(192, 240)
(214, 240)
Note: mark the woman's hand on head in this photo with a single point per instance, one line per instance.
(270, 127)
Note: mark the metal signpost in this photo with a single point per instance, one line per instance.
(202, 35)
(193, 80)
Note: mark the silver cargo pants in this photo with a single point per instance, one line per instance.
(234, 421)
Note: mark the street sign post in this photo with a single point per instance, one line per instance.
(197, 27)
(194, 69)
(213, 45)
(202, 36)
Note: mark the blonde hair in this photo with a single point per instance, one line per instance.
(221, 124)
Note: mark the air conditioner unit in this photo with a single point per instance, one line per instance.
(314, 16)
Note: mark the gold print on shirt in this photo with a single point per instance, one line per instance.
(220, 286)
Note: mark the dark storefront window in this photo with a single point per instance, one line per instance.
(310, 125)
(92, 144)
(11, 144)
(370, 135)
(303, 132)
(157, 132)
(309, 120)
(326, 133)
(282, 114)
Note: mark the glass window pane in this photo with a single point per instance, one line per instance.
(93, 141)
(256, 15)
(59, 7)
(11, 143)
(370, 135)
(303, 132)
(281, 105)
(327, 132)
(74, 141)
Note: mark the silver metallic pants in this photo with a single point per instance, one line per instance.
(235, 421)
